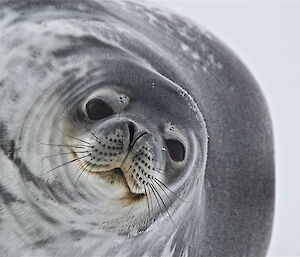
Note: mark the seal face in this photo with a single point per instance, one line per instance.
(105, 113)
(125, 143)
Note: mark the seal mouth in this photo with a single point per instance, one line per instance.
(112, 176)
(116, 175)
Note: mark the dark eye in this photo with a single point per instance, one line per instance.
(97, 109)
(176, 149)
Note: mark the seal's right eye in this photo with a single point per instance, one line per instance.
(97, 109)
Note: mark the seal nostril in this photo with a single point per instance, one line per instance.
(176, 149)
(131, 131)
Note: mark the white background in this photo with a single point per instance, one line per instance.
(266, 36)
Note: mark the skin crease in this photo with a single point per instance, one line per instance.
(112, 184)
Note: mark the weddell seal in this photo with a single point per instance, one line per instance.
(126, 130)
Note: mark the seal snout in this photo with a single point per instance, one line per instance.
(124, 155)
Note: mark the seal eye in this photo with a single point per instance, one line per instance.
(176, 149)
(97, 109)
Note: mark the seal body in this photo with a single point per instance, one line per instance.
(126, 130)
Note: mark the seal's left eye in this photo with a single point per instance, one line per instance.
(97, 109)
(176, 149)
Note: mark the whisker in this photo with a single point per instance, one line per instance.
(168, 189)
(79, 167)
(160, 172)
(86, 162)
(73, 137)
(86, 178)
(149, 193)
(75, 146)
(149, 186)
(89, 131)
(131, 209)
(94, 164)
(66, 163)
(132, 205)
(127, 170)
(163, 170)
(58, 154)
(164, 205)
(163, 190)
(160, 169)
(148, 204)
